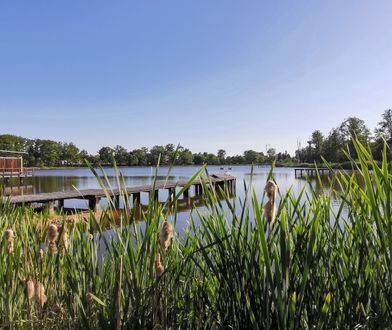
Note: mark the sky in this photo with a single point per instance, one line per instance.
(222, 74)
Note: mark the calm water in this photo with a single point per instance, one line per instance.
(83, 178)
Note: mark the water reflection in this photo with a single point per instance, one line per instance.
(82, 178)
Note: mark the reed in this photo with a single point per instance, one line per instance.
(317, 265)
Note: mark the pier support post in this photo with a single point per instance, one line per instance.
(60, 204)
(186, 193)
(136, 198)
(172, 193)
(116, 201)
(93, 204)
(197, 189)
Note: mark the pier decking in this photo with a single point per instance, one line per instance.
(94, 196)
(299, 172)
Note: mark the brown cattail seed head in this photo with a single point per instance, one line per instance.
(40, 254)
(166, 234)
(10, 247)
(65, 240)
(269, 211)
(64, 246)
(270, 189)
(9, 235)
(30, 289)
(53, 232)
(40, 293)
(158, 265)
(52, 248)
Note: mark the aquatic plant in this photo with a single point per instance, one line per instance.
(318, 265)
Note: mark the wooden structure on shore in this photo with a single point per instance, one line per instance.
(11, 165)
(94, 196)
(299, 172)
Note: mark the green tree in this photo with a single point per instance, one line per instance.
(333, 145)
(70, 153)
(199, 158)
(132, 159)
(271, 154)
(157, 152)
(316, 143)
(106, 155)
(49, 152)
(354, 128)
(383, 132)
(384, 127)
(12, 142)
(141, 155)
(170, 150)
(185, 157)
(221, 156)
(212, 159)
(251, 156)
(121, 155)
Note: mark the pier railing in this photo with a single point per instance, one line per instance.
(16, 172)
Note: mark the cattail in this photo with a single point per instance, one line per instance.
(40, 254)
(166, 234)
(53, 232)
(40, 293)
(30, 290)
(52, 248)
(269, 207)
(158, 265)
(64, 246)
(270, 189)
(9, 238)
(9, 235)
(65, 240)
(269, 211)
(10, 247)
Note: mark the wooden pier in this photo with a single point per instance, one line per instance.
(311, 172)
(94, 196)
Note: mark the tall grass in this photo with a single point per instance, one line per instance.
(316, 266)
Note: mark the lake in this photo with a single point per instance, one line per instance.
(53, 180)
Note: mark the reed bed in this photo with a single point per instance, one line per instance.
(308, 265)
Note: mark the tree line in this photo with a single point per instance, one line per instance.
(340, 140)
(331, 147)
(52, 153)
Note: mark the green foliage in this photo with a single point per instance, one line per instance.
(322, 264)
(341, 140)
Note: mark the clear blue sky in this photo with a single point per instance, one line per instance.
(209, 74)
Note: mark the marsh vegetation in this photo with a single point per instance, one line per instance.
(316, 265)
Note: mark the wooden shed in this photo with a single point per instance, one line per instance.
(11, 164)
